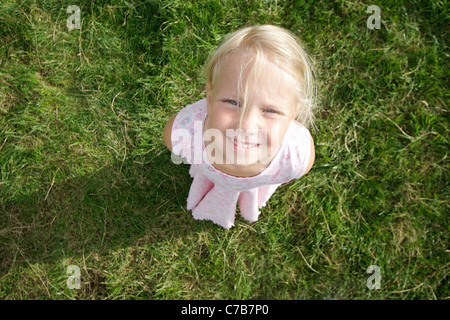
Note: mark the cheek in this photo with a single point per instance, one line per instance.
(276, 131)
(222, 118)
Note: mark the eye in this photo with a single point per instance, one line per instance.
(233, 102)
(270, 111)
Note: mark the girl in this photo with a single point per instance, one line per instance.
(249, 135)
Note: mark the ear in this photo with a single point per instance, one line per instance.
(297, 110)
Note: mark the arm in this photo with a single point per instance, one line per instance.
(312, 153)
(312, 157)
(168, 132)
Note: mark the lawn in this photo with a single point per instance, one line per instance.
(85, 178)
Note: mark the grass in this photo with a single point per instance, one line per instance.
(85, 178)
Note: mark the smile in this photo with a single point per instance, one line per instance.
(243, 146)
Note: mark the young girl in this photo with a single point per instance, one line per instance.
(249, 135)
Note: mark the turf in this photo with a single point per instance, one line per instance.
(85, 178)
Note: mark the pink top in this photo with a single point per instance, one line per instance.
(213, 194)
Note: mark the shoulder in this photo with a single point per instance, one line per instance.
(189, 114)
(183, 120)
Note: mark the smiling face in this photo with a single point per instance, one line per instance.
(245, 150)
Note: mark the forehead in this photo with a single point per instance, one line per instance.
(244, 77)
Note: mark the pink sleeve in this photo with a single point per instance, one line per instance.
(185, 129)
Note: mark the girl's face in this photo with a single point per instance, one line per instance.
(267, 117)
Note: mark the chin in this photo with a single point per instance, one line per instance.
(239, 165)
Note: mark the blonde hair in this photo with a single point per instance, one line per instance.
(274, 44)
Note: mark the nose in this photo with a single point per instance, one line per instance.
(250, 121)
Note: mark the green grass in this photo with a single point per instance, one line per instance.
(85, 178)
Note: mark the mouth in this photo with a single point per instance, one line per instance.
(243, 146)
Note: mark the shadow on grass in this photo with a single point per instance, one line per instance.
(140, 202)
(139, 206)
